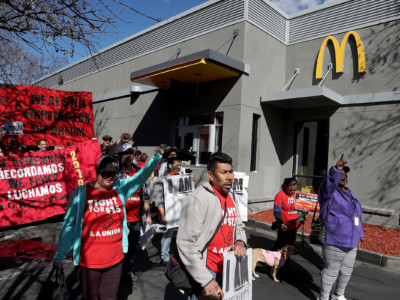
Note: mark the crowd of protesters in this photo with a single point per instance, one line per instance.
(13, 147)
(104, 218)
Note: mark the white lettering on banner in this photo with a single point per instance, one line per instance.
(237, 276)
(31, 171)
(34, 192)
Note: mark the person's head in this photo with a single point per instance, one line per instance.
(170, 153)
(137, 154)
(220, 172)
(13, 144)
(125, 155)
(42, 145)
(289, 186)
(106, 171)
(174, 165)
(143, 157)
(107, 140)
(343, 179)
(21, 149)
(163, 146)
(134, 148)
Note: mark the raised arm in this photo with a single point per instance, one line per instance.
(330, 183)
(130, 185)
(124, 138)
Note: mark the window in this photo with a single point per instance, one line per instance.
(311, 154)
(254, 143)
(199, 135)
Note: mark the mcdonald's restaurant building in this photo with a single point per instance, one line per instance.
(284, 95)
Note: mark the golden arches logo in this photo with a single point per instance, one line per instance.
(339, 53)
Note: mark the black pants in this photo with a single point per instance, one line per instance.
(283, 238)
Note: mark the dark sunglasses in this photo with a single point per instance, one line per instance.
(108, 174)
(127, 153)
(108, 140)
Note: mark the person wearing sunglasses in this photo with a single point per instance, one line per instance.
(95, 227)
(107, 143)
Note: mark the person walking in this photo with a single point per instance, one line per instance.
(95, 228)
(199, 220)
(136, 206)
(285, 214)
(174, 167)
(344, 230)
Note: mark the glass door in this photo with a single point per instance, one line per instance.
(311, 154)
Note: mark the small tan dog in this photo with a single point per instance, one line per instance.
(274, 259)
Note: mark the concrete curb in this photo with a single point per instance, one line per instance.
(384, 261)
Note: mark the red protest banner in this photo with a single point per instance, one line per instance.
(306, 201)
(62, 118)
(35, 186)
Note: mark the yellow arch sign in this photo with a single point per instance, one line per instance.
(339, 53)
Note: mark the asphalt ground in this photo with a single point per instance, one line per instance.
(23, 278)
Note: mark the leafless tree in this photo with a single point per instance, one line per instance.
(53, 26)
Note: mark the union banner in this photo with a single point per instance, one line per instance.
(37, 185)
(62, 118)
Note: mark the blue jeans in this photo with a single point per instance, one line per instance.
(199, 291)
(166, 243)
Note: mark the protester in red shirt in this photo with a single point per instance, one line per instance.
(201, 213)
(285, 214)
(95, 228)
(12, 149)
(135, 206)
(143, 159)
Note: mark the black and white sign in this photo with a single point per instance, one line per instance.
(237, 277)
(176, 190)
(240, 183)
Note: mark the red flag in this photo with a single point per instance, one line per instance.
(63, 118)
(37, 185)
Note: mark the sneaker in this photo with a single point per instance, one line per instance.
(341, 297)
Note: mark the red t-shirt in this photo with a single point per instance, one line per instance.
(287, 202)
(101, 229)
(223, 240)
(132, 204)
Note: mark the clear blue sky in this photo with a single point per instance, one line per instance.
(165, 9)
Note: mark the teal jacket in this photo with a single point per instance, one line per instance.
(71, 231)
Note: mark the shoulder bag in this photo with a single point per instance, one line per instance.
(176, 272)
(318, 228)
(54, 289)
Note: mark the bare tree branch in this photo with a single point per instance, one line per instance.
(54, 26)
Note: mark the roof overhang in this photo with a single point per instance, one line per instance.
(303, 98)
(204, 66)
(320, 96)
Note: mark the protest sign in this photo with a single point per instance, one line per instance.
(37, 185)
(62, 118)
(306, 201)
(240, 183)
(176, 190)
(237, 276)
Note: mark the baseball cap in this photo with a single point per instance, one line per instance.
(107, 164)
(346, 169)
(125, 147)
